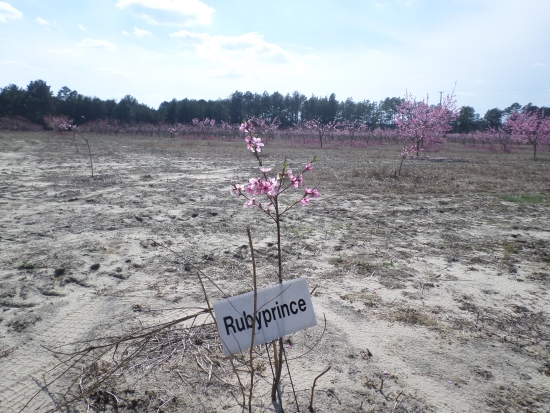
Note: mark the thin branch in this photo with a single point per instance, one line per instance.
(310, 407)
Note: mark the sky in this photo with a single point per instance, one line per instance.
(492, 53)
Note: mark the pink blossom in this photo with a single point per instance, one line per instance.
(312, 191)
(247, 126)
(273, 187)
(259, 186)
(250, 203)
(253, 186)
(237, 190)
(296, 181)
(408, 152)
(308, 167)
(254, 144)
(264, 170)
(304, 201)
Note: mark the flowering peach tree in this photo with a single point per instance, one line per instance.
(264, 193)
(316, 125)
(58, 123)
(530, 127)
(420, 123)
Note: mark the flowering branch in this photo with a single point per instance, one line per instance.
(271, 186)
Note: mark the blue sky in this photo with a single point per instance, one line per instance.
(498, 51)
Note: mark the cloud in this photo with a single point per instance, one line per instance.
(249, 47)
(43, 23)
(81, 27)
(140, 32)
(97, 44)
(8, 12)
(169, 12)
(15, 63)
(68, 52)
(247, 56)
(541, 64)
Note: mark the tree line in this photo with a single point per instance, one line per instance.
(38, 101)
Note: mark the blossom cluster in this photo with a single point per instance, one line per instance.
(252, 143)
(408, 152)
(59, 123)
(271, 186)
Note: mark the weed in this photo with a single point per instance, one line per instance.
(26, 265)
(414, 317)
(510, 248)
(361, 263)
(336, 260)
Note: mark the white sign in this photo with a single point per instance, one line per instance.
(282, 309)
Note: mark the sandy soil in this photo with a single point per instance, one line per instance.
(434, 285)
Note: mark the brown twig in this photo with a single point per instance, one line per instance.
(310, 407)
(232, 360)
(396, 402)
(317, 342)
(137, 340)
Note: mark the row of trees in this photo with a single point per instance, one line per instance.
(419, 126)
(419, 123)
(469, 121)
(523, 127)
(38, 100)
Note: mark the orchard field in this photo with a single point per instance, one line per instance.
(433, 283)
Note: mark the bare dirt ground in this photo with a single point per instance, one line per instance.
(434, 285)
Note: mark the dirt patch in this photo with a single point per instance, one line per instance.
(433, 285)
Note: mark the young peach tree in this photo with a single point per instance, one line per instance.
(264, 193)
